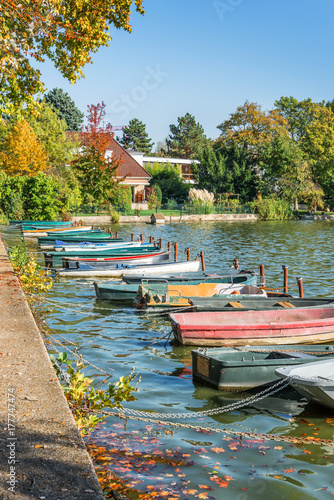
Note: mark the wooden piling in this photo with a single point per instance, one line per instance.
(132, 237)
(160, 243)
(202, 261)
(188, 253)
(151, 239)
(236, 263)
(300, 287)
(169, 249)
(262, 276)
(142, 238)
(175, 252)
(285, 279)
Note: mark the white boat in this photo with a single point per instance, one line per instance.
(117, 272)
(315, 380)
(49, 232)
(99, 246)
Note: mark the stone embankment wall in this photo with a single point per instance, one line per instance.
(42, 452)
(184, 218)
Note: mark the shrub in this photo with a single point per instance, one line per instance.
(114, 215)
(272, 208)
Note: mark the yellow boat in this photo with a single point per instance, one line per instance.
(163, 295)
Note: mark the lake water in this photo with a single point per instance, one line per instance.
(149, 460)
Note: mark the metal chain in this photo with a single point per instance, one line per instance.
(281, 384)
(198, 428)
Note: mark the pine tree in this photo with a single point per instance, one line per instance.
(186, 139)
(62, 103)
(135, 137)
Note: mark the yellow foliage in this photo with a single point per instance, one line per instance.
(22, 153)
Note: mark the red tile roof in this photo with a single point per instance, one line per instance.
(129, 167)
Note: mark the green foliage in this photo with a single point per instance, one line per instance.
(186, 139)
(50, 130)
(170, 182)
(85, 400)
(272, 208)
(114, 215)
(40, 197)
(171, 204)
(227, 169)
(154, 197)
(65, 107)
(135, 137)
(121, 197)
(34, 279)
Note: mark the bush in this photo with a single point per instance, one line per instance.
(114, 215)
(171, 204)
(272, 208)
(122, 197)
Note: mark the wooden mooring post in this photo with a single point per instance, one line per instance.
(262, 276)
(202, 261)
(300, 287)
(285, 279)
(175, 252)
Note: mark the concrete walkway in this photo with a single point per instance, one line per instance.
(42, 453)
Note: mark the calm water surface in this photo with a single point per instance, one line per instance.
(155, 461)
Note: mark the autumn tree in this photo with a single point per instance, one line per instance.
(186, 139)
(249, 126)
(311, 126)
(65, 31)
(21, 152)
(96, 170)
(135, 137)
(65, 108)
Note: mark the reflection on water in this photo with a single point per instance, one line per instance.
(222, 465)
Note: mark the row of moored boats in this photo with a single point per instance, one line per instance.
(246, 336)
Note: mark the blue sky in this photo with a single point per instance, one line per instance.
(206, 57)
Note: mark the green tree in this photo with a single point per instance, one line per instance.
(227, 169)
(40, 197)
(135, 137)
(170, 182)
(65, 107)
(186, 139)
(50, 130)
(65, 31)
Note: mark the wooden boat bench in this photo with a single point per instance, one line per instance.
(285, 304)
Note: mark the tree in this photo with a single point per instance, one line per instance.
(186, 139)
(135, 137)
(21, 153)
(65, 31)
(65, 107)
(311, 126)
(50, 130)
(249, 126)
(227, 169)
(170, 182)
(97, 172)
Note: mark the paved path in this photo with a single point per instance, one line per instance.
(42, 454)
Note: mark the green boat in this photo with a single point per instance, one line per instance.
(90, 236)
(125, 292)
(41, 223)
(56, 258)
(244, 368)
(240, 304)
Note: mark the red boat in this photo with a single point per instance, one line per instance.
(266, 327)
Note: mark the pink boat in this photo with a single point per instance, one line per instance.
(266, 327)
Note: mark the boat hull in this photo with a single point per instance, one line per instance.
(230, 369)
(287, 326)
(84, 271)
(315, 380)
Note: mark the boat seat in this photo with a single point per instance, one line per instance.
(291, 354)
(286, 304)
(235, 304)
